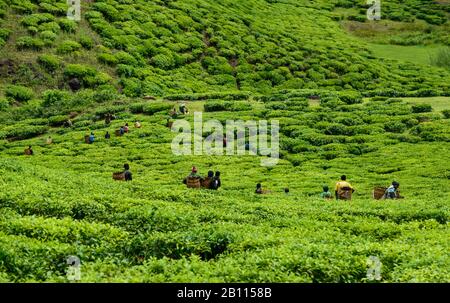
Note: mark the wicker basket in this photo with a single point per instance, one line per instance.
(345, 194)
(117, 132)
(27, 151)
(193, 182)
(86, 139)
(206, 182)
(378, 192)
(119, 176)
(169, 124)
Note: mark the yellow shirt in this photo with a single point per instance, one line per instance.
(342, 184)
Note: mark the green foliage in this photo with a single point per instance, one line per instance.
(86, 41)
(54, 98)
(446, 113)
(156, 107)
(29, 43)
(86, 74)
(67, 25)
(442, 58)
(67, 47)
(49, 62)
(421, 108)
(18, 93)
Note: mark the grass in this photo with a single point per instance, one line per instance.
(415, 54)
(438, 103)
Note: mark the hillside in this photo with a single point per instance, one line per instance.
(347, 101)
(165, 47)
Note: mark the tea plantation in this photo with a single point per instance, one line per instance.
(341, 110)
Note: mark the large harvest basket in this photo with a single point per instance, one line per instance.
(378, 192)
(117, 132)
(86, 139)
(345, 194)
(27, 152)
(169, 124)
(207, 182)
(119, 176)
(193, 182)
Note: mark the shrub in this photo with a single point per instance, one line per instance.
(446, 113)
(132, 87)
(69, 26)
(216, 106)
(107, 59)
(4, 104)
(350, 97)
(18, 92)
(54, 97)
(4, 34)
(97, 79)
(125, 58)
(49, 26)
(163, 61)
(105, 93)
(86, 41)
(48, 37)
(29, 43)
(49, 62)
(36, 19)
(153, 108)
(79, 71)
(421, 108)
(68, 46)
(57, 120)
(26, 132)
(395, 127)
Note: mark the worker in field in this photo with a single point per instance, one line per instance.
(258, 189)
(393, 191)
(108, 118)
(216, 183)
(173, 113)
(326, 194)
(126, 128)
(193, 180)
(183, 109)
(137, 124)
(29, 151)
(91, 138)
(286, 191)
(49, 140)
(122, 130)
(128, 175)
(344, 189)
(107, 135)
(206, 183)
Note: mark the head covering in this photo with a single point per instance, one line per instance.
(210, 174)
(325, 188)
